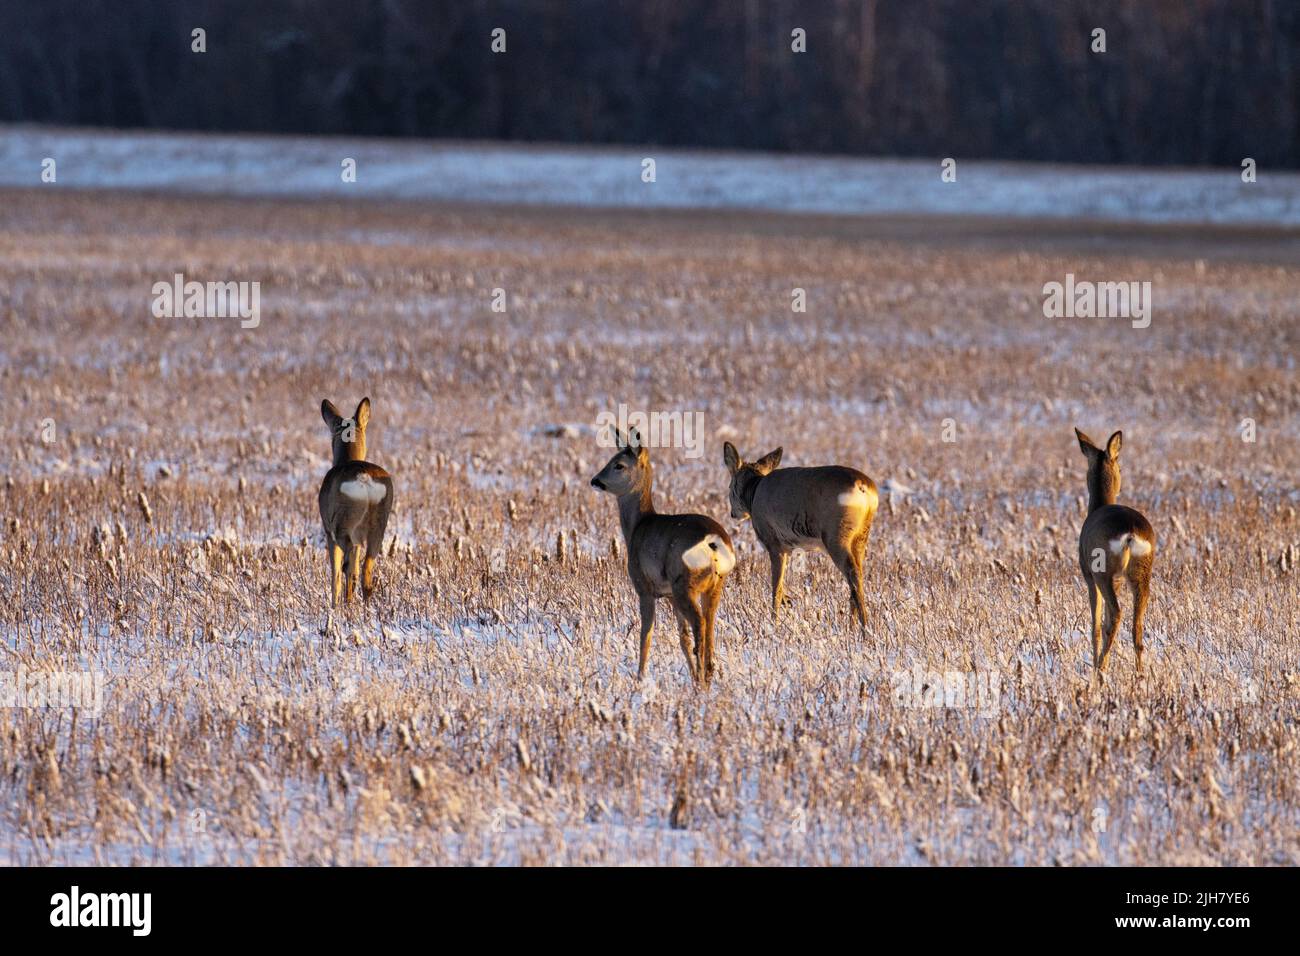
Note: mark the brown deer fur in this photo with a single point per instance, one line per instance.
(1115, 542)
(829, 508)
(685, 558)
(355, 500)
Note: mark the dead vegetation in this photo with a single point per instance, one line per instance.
(483, 709)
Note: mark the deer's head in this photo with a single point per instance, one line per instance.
(347, 435)
(628, 471)
(743, 474)
(1103, 467)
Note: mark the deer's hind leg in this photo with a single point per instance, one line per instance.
(709, 601)
(1107, 587)
(374, 548)
(684, 637)
(351, 569)
(336, 570)
(368, 575)
(858, 554)
(1095, 605)
(851, 568)
(685, 605)
(1139, 579)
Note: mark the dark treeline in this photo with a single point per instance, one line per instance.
(1182, 81)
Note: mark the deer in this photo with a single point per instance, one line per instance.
(356, 498)
(683, 557)
(828, 508)
(1115, 542)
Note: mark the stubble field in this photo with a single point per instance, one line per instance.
(483, 708)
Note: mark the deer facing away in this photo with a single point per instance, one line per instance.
(1115, 542)
(682, 557)
(828, 508)
(355, 500)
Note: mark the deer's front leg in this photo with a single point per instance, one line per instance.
(683, 637)
(647, 628)
(779, 561)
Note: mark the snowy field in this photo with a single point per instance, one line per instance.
(160, 522)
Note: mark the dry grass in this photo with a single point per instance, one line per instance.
(483, 710)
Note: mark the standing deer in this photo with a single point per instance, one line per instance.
(355, 499)
(829, 508)
(1115, 542)
(683, 557)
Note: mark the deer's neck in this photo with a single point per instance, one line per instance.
(632, 509)
(748, 488)
(1099, 493)
(346, 451)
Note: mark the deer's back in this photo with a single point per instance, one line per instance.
(796, 507)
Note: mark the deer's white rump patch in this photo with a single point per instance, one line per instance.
(711, 551)
(860, 497)
(364, 488)
(1136, 546)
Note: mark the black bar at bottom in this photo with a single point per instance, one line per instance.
(336, 906)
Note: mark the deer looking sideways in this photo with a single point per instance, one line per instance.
(1115, 542)
(683, 557)
(829, 508)
(355, 499)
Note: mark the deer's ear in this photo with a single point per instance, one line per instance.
(1113, 445)
(768, 462)
(329, 413)
(731, 457)
(1086, 444)
(362, 414)
(636, 447)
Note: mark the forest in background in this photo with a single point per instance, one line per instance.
(1186, 82)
